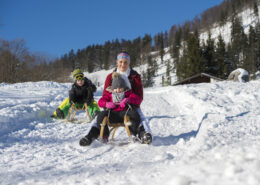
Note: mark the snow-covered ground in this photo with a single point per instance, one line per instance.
(203, 134)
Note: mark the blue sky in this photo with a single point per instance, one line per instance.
(57, 26)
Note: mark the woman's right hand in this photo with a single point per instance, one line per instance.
(110, 105)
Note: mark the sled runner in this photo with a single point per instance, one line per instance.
(73, 110)
(114, 127)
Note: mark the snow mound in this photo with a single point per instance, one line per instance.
(239, 75)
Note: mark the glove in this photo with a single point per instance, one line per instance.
(123, 102)
(110, 105)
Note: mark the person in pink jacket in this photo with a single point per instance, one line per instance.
(117, 101)
(133, 82)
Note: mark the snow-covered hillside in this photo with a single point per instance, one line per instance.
(203, 134)
(247, 18)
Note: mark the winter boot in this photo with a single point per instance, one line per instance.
(59, 113)
(87, 140)
(145, 137)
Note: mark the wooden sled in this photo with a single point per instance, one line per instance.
(114, 127)
(73, 111)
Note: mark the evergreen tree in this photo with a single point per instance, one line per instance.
(90, 58)
(223, 17)
(155, 67)
(98, 64)
(105, 55)
(147, 78)
(71, 58)
(168, 69)
(135, 51)
(176, 46)
(172, 34)
(182, 66)
(146, 46)
(194, 56)
(150, 73)
(191, 62)
(150, 81)
(257, 46)
(238, 43)
(80, 58)
(163, 80)
(230, 66)
(220, 58)
(250, 63)
(186, 29)
(161, 45)
(256, 9)
(165, 39)
(208, 57)
(152, 65)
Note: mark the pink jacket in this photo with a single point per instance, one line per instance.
(134, 79)
(107, 97)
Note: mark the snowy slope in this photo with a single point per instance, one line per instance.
(247, 18)
(203, 134)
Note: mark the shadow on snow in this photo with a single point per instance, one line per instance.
(172, 140)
